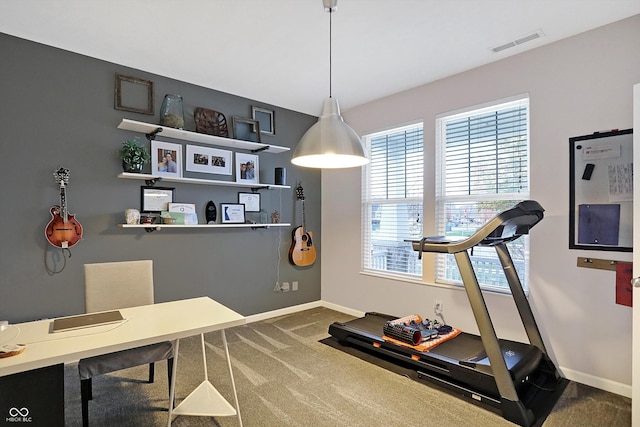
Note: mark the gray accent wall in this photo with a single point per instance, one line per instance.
(57, 110)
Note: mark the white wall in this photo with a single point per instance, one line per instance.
(576, 86)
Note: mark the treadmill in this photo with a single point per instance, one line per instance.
(515, 379)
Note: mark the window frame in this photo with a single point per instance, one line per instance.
(368, 202)
(442, 199)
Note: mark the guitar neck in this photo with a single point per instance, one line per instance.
(63, 203)
(62, 177)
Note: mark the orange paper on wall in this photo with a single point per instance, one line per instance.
(624, 290)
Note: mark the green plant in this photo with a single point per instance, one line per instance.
(132, 153)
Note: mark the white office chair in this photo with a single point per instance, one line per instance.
(111, 286)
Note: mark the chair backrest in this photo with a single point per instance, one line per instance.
(114, 285)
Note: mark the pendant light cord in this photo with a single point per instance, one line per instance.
(330, 73)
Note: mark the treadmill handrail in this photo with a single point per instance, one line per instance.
(506, 226)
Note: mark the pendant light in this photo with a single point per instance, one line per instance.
(330, 143)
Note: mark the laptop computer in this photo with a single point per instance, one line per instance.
(86, 320)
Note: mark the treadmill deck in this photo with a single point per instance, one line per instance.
(462, 358)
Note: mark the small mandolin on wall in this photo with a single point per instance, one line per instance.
(63, 231)
(302, 252)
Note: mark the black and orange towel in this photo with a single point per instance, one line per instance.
(410, 331)
(426, 345)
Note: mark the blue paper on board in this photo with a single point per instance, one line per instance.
(599, 224)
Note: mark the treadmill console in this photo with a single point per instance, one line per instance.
(508, 225)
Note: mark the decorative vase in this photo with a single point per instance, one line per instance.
(132, 167)
(172, 112)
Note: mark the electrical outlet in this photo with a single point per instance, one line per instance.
(438, 307)
(285, 287)
(294, 285)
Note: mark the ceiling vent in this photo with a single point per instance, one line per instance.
(518, 41)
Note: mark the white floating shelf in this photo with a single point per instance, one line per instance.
(147, 177)
(200, 138)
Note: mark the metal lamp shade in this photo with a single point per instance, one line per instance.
(330, 143)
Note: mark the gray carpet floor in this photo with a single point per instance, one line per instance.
(285, 376)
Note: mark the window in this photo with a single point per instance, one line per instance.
(482, 168)
(392, 191)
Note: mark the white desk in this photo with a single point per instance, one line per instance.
(144, 325)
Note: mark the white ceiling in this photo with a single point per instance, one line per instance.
(277, 51)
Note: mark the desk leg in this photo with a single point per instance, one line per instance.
(172, 393)
(205, 400)
(233, 383)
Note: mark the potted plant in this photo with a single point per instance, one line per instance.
(134, 156)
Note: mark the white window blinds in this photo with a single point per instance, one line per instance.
(392, 191)
(482, 168)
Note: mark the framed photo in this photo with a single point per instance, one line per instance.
(251, 201)
(166, 159)
(266, 119)
(156, 199)
(232, 213)
(247, 170)
(133, 94)
(246, 129)
(208, 160)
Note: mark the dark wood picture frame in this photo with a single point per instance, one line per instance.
(246, 129)
(165, 195)
(133, 94)
(232, 213)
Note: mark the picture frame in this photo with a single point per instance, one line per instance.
(251, 201)
(246, 129)
(208, 160)
(266, 119)
(232, 213)
(166, 159)
(133, 94)
(156, 199)
(247, 168)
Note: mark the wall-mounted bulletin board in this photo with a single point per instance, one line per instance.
(601, 191)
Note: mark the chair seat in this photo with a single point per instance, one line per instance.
(111, 362)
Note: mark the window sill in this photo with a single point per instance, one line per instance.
(391, 276)
(451, 286)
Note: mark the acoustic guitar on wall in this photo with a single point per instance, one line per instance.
(302, 252)
(64, 230)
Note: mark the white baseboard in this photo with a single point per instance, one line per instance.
(283, 311)
(301, 307)
(342, 309)
(580, 377)
(597, 382)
